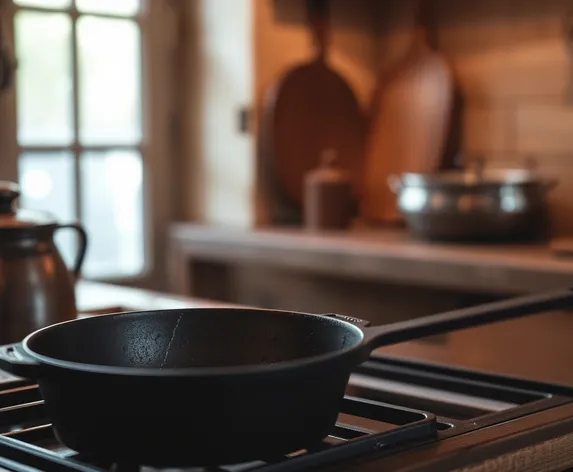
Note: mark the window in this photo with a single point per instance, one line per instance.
(79, 108)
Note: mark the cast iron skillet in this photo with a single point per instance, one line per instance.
(217, 385)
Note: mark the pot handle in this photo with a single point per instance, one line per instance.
(82, 249)
(455, 320)
(14, 360)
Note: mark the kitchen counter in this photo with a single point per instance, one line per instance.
(537, 347)
(93, 298)
(389, 255)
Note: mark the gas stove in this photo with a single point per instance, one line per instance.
(398, 414)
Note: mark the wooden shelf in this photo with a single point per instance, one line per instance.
(391, 256)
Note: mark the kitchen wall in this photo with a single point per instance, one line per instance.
(509, 56)
(218, 172)
(512, 63)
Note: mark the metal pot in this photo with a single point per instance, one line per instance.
(36, 289)
(475, 204)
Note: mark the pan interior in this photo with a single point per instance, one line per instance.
(194, 338)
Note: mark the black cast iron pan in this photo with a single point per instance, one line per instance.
(213, 386)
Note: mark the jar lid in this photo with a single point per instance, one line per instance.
(11, 218)
(328, 171)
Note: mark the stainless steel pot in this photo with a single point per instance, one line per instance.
(475, 204)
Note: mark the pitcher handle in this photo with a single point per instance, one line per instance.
(82, 249)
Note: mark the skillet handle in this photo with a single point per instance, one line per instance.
(15, 361)
(516, 307)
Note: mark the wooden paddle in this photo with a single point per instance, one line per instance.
(309, 110)
(409, 122)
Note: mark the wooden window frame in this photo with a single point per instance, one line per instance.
(159, 21)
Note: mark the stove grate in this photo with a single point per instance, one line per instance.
(28, 443)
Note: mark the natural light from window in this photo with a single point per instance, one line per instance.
(79, 100)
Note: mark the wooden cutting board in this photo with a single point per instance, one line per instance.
(409, 122)
(309, 110)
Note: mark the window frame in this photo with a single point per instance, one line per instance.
(159, 22)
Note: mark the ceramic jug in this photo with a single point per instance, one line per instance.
(36, 287)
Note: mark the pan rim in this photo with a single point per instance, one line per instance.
(196, 372)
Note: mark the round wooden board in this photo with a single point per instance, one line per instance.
(312, 109)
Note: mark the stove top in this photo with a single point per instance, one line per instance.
(398, 414)
(392, 406)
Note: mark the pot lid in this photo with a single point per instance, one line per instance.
(475, 175)
(489, 177)
(10, 217)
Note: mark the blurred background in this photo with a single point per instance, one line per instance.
(258, 151)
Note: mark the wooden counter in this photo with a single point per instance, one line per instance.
(537, 347)
(92, 297)
(391, 256)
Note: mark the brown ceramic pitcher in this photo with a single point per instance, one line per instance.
(36, 288)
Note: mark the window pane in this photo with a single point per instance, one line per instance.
(43, 3)
(44, 79)
(112, 210)
(46, 183)
(113, 7)
(110, 81)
